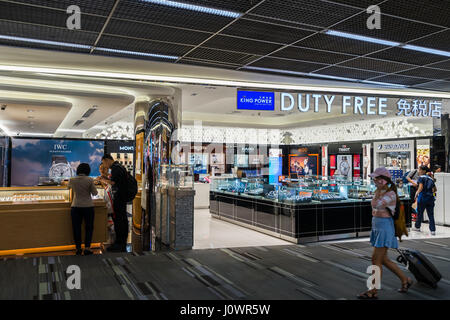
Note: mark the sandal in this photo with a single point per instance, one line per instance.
(368, 295)
(406, 286)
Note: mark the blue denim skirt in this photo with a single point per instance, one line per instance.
(383, 233)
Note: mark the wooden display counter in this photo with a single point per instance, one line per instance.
(43, 225)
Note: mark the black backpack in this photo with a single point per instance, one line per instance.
(131, 186)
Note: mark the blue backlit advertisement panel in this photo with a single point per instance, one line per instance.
(255, 100)
(275, 169)
(56, 159)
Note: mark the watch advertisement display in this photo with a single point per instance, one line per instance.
(32, 159)
(241, 160)
(200, 162)
(344, 166)
(423, 153)
(302, 166)
(217, 158)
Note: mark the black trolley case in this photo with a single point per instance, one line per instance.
(420, 266)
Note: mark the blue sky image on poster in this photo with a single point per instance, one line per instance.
(56, 159)
(254, 100)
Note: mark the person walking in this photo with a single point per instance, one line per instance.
(82, 207)
(118, 182)
(425, 199)
(382, 236)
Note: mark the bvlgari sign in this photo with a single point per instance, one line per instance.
(360, 105)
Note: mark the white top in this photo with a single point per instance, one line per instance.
(83, 187)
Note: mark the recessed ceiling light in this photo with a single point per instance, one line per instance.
(192, 7)
(387, 42)
(362, 38)
(29, 110)
(135, 53)
(54, 43)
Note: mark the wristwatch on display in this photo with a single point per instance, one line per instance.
(344, 167)
(60, 168)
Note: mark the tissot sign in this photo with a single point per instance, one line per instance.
(306, 102)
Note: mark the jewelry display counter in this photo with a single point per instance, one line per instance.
(38, 219)
(311, 212)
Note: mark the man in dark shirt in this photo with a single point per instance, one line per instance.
(425, 199)
(118, 182)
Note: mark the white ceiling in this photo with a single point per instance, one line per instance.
(53, 94)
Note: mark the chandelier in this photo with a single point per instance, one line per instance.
(119, 131)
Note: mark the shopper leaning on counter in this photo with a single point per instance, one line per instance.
(108, 197)
(118, 182)
(82, 207)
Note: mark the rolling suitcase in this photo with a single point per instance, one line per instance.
(420, 266)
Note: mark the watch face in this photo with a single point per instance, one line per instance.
(60, 170)
(344, 168)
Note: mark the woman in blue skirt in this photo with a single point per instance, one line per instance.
(382, 236)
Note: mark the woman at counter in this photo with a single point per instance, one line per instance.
(82, 207)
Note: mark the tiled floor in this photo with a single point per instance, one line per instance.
(315, 271)
(214, 233)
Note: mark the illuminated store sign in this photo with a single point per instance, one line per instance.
(393, 146)
(253, 100)
(360, 105)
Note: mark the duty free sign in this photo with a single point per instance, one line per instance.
(304, 102)
(361, 105)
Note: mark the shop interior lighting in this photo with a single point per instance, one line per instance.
(81, 46)
(387, 42)
(71, 130)
(220, 82)
(39, 134)
(192, 7)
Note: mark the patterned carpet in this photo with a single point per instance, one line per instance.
(294, 272)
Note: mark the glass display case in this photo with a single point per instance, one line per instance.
(305, 191)
(33, 195)
(179, 176)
